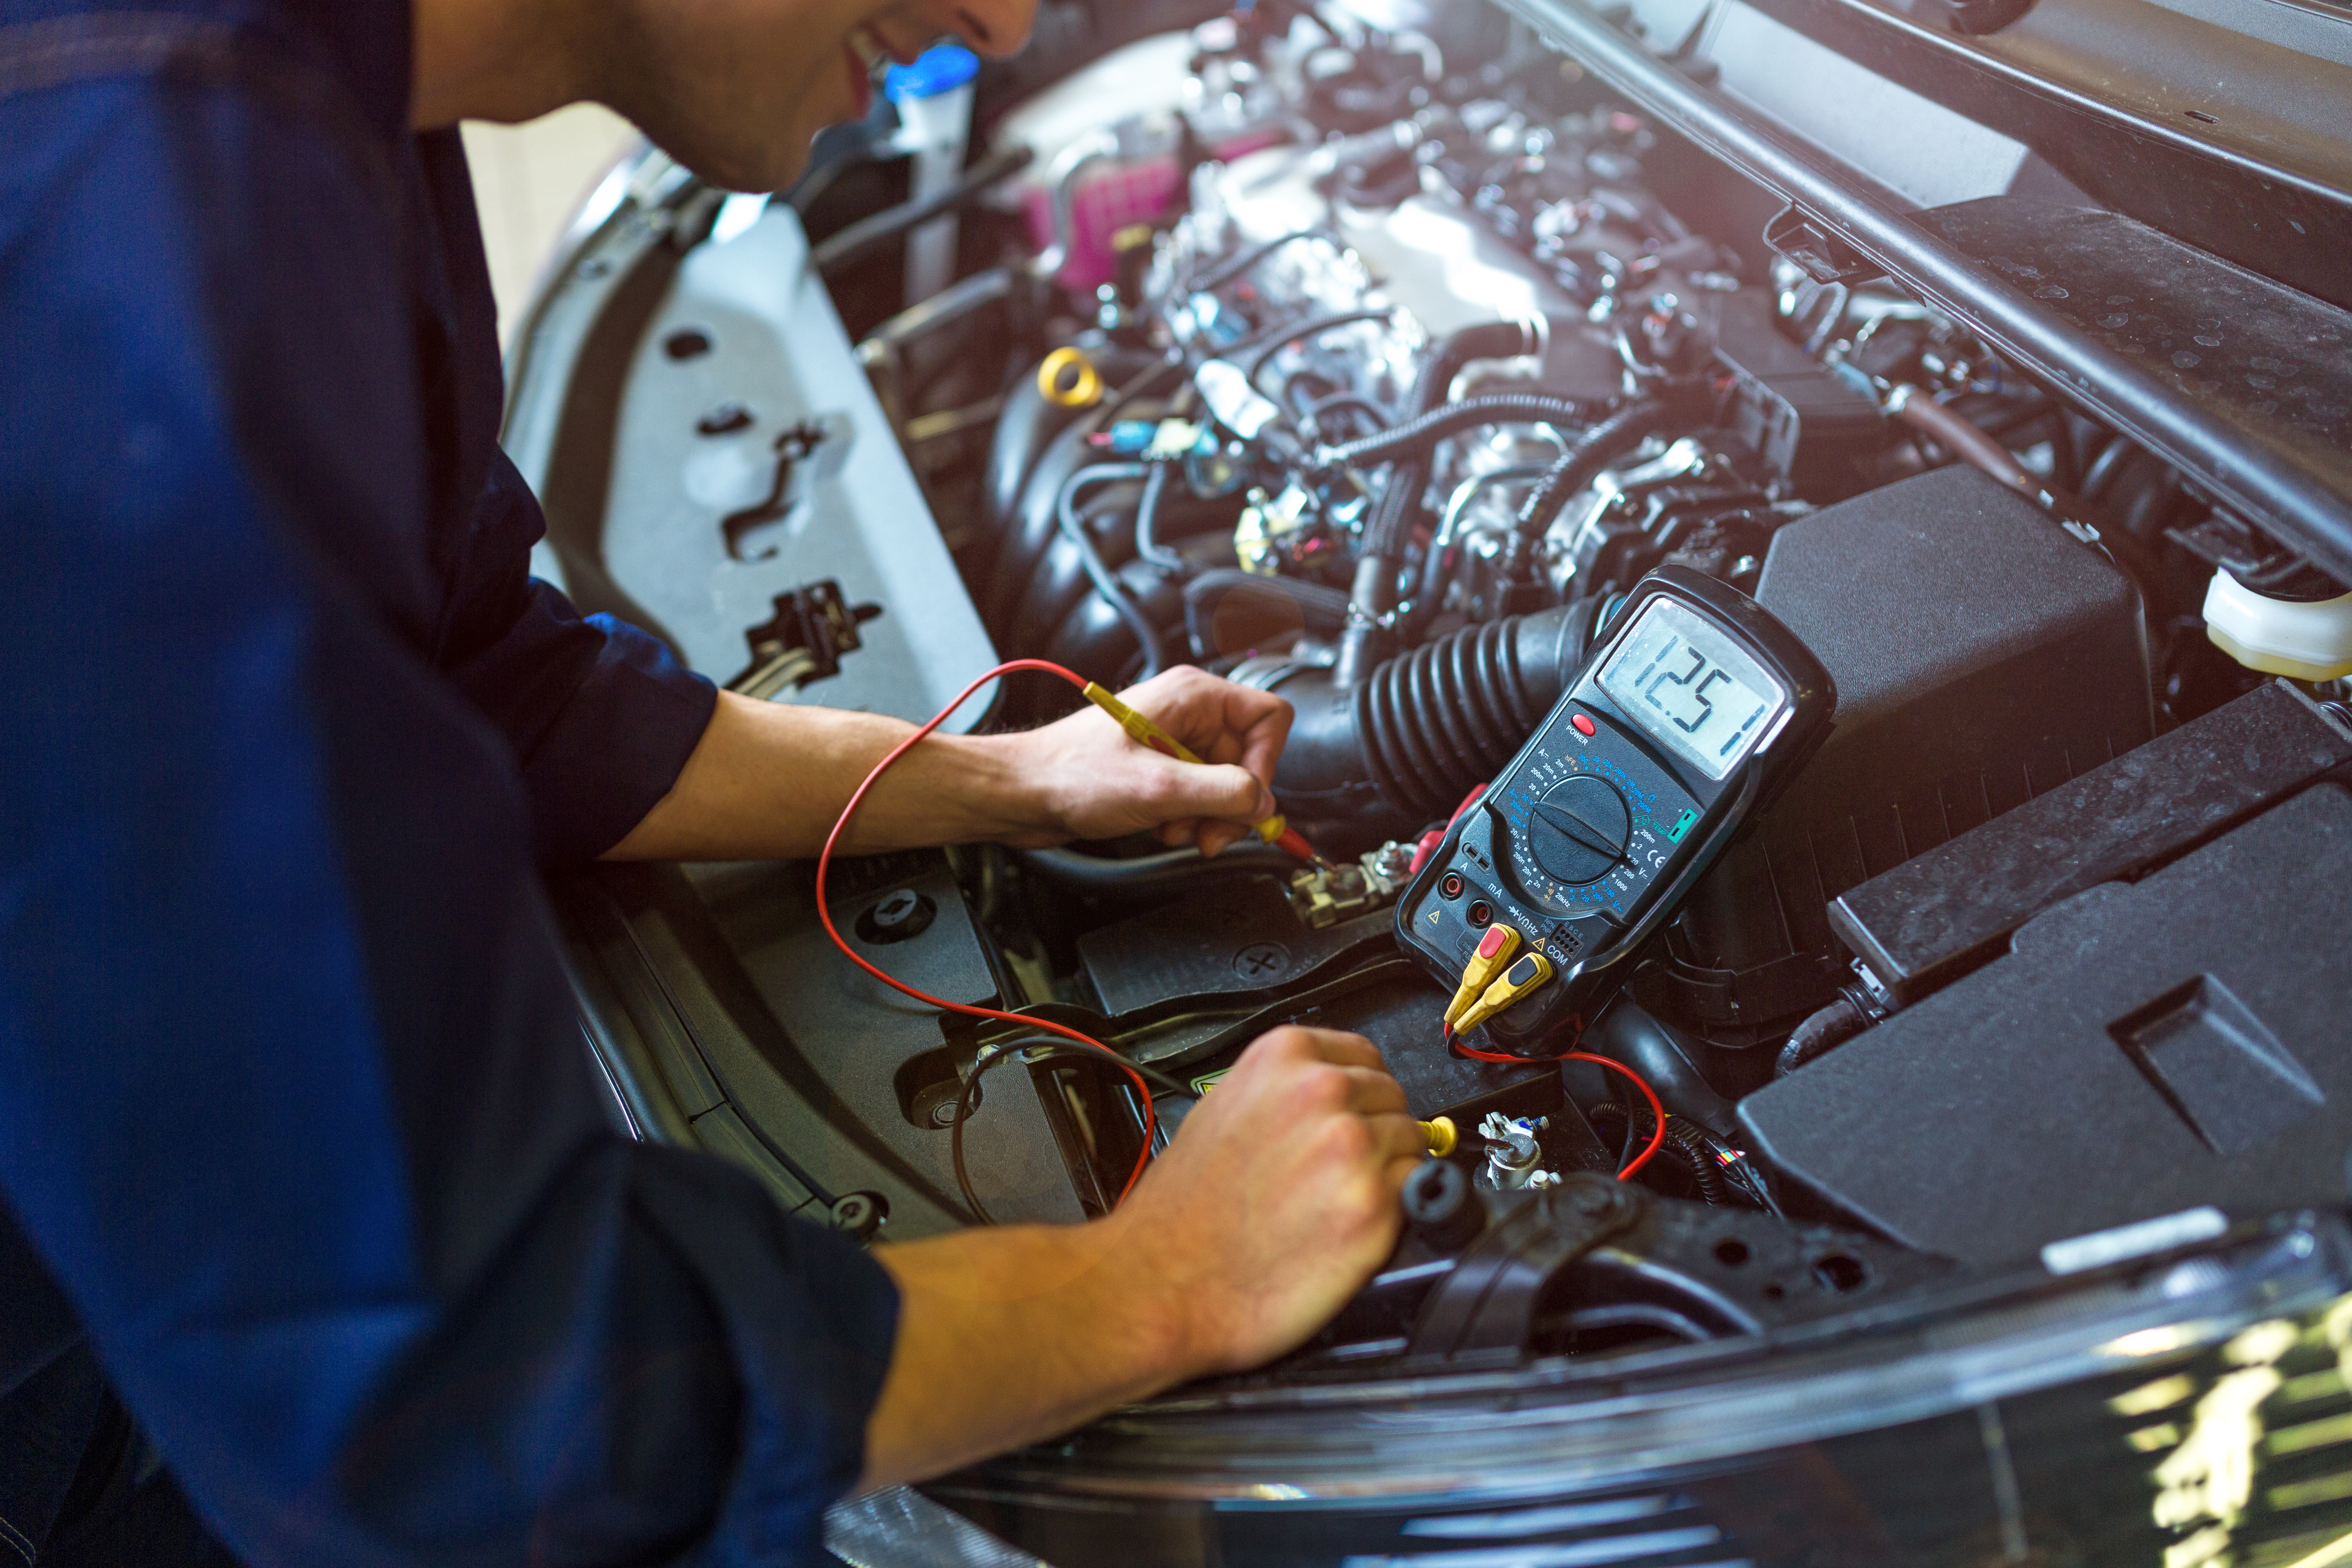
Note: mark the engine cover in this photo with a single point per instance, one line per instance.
(1982, 656)
(2141, 1051)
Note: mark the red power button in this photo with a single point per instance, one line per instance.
(1584, 726)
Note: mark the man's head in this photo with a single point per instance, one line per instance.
(733, 89)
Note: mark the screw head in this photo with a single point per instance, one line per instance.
(859, 1214)
(899, 915)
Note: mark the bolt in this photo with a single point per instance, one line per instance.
(859, 1214)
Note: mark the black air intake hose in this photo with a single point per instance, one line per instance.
(1404, 746)
(1156, 876)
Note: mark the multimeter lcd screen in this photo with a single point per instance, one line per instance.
(1692, 689)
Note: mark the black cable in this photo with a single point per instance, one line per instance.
(1152, 875)
(2111, 461)
(1708, 1156)
(871, 233)
(1685, 1142)
(1074, 528)
(968, 1098)
(1141, 385)
(837, 149)
(1249, 259)
(1308, 330)
(1351, 402)
(1582, 462)
(1146, 520)
(1321, 609)
(1429, 429)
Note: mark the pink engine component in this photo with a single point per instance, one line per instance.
(1107, 202)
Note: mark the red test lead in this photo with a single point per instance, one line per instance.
(1274, 830)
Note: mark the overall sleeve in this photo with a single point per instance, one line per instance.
(600, 716)
(297, 1111)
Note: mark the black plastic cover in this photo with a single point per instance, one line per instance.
(2143, 1049)
(1935, 918)
(1810, 426)
(1982, 656)
(1240, 945)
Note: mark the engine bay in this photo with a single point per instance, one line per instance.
(1381, 366)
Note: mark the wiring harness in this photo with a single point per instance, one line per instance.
(1077, 1043)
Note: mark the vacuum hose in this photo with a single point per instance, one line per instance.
(1581, 463)
(1426, 423)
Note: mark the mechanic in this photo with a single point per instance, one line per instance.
(316, 1247)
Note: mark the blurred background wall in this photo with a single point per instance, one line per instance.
(528, 180)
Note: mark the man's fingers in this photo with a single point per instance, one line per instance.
(1228, 793)
(1339, 1046)
(1372, 1092)
(1398, 1136)
(1215, 837)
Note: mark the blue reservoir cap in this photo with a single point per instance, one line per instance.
(941, 69)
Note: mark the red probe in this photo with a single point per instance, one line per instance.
(825, 911)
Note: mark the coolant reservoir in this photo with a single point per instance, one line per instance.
(2304, 639)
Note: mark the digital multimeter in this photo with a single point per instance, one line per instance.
(1695, 706)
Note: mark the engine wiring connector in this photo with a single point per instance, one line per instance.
(1495, 951)
(1531, 973)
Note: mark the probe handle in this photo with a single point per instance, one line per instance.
(1273, 829)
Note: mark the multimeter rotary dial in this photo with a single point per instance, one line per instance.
(1577, 832)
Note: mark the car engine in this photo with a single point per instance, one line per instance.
(1374, 361)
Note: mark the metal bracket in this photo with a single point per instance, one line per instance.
(812, 628)
(1795, 234)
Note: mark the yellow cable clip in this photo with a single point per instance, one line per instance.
(1085, 388)
(1494, 949)
(1531, 973)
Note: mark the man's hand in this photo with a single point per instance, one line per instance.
(1091, 780)
(1274, 1202)
(1277, 1198)
(769, 778)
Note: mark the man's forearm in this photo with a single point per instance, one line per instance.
(769, 779)
(1010, 1336)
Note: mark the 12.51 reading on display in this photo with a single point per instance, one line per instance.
(1692, 689)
